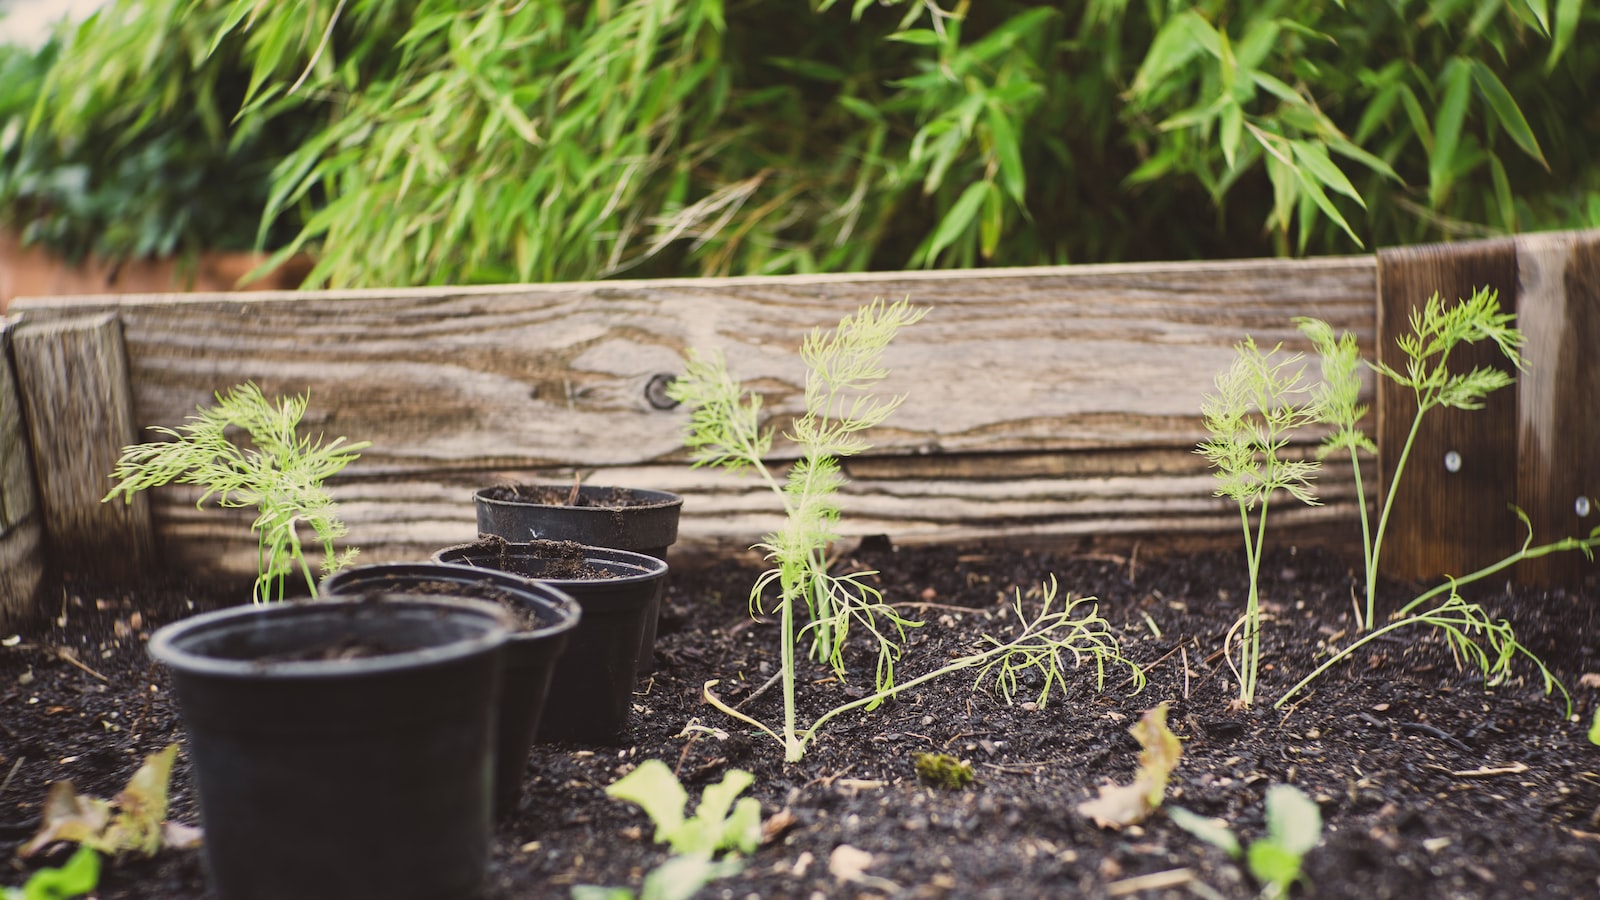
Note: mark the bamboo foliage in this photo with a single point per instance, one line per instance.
(511, 140)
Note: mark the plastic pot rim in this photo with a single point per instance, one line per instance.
(648, 567)
(660, 499)
(567, 611)
(167, 645)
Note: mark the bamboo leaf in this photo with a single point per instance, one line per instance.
(1447, 124)
(1313, 159)
(957, 220)
(1506, 110)
(1568, 13)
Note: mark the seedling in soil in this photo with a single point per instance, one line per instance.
(941, 770)
(842, 368)
(1294, 825)
(79, 875)
(725, 431)
(132, 822)
(1436, 331)
(281, 476)
(1260, 401)
(719, 824)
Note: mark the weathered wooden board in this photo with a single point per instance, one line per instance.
(21, 556)
(1446, 519)
(1535, 446)
(73, 375)
(1558, 397)
(1041, 401)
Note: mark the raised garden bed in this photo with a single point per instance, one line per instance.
(1051, 430)
(1430, 783)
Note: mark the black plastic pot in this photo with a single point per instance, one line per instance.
(545, 618)
(322, 776)
(591, 691)
(634, 519)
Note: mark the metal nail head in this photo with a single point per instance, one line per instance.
(1581, 506)
(1452, 461)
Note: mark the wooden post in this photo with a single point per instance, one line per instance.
(1535, 446)
(73, 375)
(21, 535)
(1451, 510)
(1558, 397)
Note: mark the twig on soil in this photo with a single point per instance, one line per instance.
(12, 774)
(760, 690)
(1516, 768)
(949, 607)
(1185, 653)
(68, 657)
(1146, 669)
(1153, 881)
(1431, 731)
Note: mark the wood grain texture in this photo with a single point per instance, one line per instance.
(1443, 522)
(21, 559)
(73, 375)
(1040, 400)
(1558, 397)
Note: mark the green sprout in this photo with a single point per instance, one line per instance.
(720, 823)
(725, 431)
(1294, 826)
(1261, 400)
(281, 476)
(79, 875)
(1436, 331)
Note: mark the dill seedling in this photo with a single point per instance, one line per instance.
(1260, 401)
(1436, 331)
(1258, 405)
(281, 476)
(725, 431)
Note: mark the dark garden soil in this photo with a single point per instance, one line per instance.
(1431, 784)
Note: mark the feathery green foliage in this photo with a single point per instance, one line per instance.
(1260, 401)
(843, 366)
(281, 476)
(1257, 408)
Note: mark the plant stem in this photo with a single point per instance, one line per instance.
(1343, 655)
(1568, 543)
(1368, 549)
(1383, 518)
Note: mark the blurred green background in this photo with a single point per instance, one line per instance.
(432, 142)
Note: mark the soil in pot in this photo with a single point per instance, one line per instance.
(327, 773)
(591, 691)
(1407, 813)
(545, 619)
(634, 519)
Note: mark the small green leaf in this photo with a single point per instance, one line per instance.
(1594, 729)
(957, 220)
(79, 875)
(1273, 865)
(1173, 47)
(1447, 123)
(1294, 821)
(1232, 129)
(653, 788)
(1213, 831)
